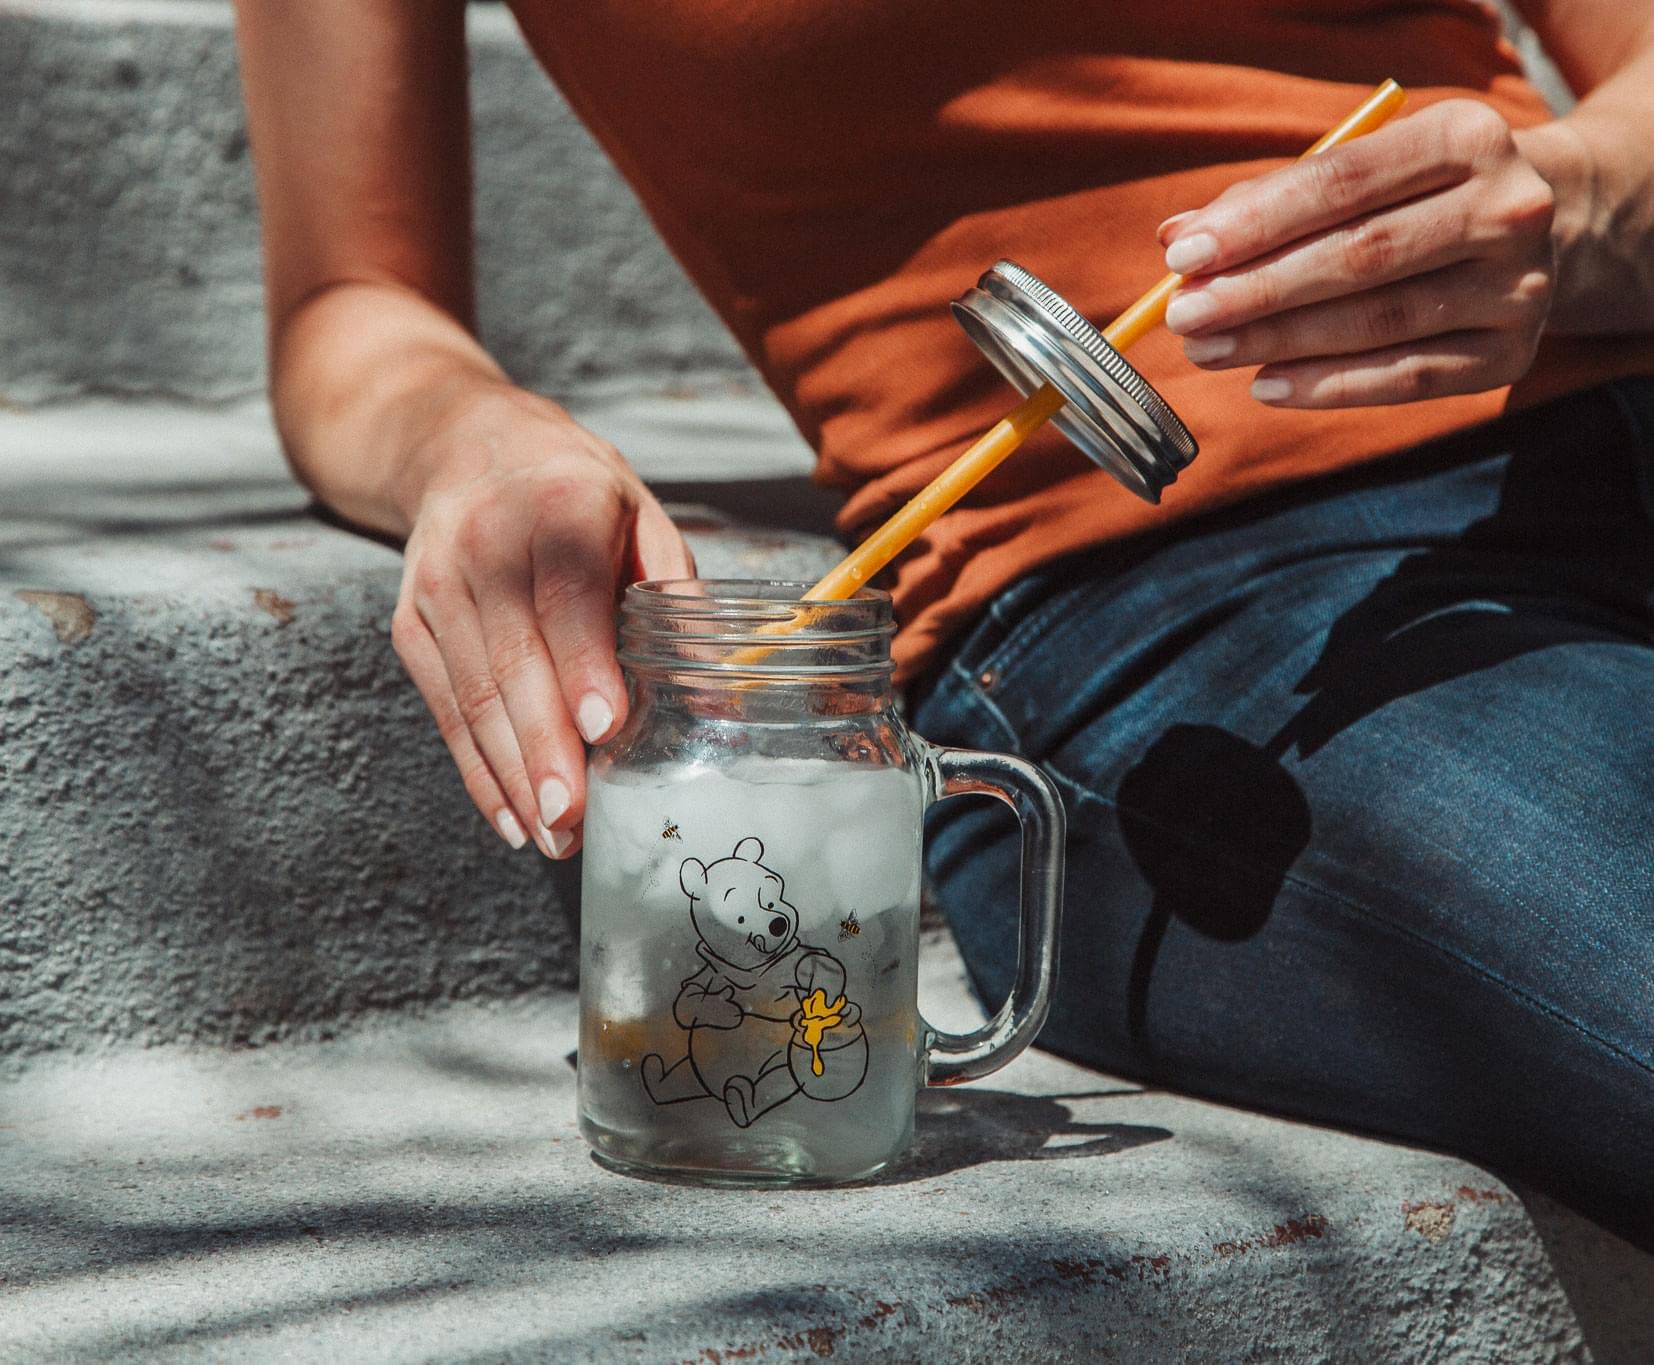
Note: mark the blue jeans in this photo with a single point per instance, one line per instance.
(1360, 785)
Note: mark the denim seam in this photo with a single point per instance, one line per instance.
(973, 694)
(1021, 638)
(1368, 914)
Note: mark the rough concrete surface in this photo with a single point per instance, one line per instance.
(129, 253)
(418, 1190)
(223, 811)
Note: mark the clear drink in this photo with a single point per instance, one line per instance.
(750, 918)
(749, 941)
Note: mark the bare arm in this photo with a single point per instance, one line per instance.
(360, 127)
(520, 524)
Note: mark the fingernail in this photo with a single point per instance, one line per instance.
(1189, 312)
(1192, 254)
(554, 800)
(1271, 390)
(1164, 230)
(509, 829)
(1205, 350)
(593, 716)
(554, 843)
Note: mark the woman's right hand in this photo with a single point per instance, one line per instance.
(525, 526)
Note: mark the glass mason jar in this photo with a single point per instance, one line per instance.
(749, 923)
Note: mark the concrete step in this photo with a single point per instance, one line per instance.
(417, 1190)
(129, 253)
(224, 814)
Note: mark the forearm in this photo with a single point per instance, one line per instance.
(357, 111)
(1599, 162)
(361, 375)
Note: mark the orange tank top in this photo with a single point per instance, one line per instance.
(832, 173)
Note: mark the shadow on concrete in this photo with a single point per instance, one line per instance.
(474, 1064)
(778, 504)
(970, 1126)
(496, 1265)
(751, 506)
(206, 1332)
(1609, 1284)
(958, 1128)
(34, 529)
(163, 503)
(77, 1238)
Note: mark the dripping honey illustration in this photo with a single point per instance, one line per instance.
(818, 1017)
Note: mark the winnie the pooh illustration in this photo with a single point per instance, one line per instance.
(747, 1008)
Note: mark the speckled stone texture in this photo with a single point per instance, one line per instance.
(129, 243)
(224, 813)
(418, 1191)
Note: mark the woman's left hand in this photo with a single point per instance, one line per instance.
(1411, 263)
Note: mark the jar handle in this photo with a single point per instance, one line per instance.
(954, 1057)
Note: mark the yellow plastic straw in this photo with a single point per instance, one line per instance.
(1000, 440)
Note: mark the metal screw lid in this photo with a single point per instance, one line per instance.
(1034, 337)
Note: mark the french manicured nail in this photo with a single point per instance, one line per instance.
(1271, 390)
(594, 716)
(1164, 230)
(1192, 254)
(554, 843)
(509, 829)
(554, 800)
(1208, 349)
(1190, 312)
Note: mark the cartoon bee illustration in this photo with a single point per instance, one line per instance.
(848, 927)
(670, 831)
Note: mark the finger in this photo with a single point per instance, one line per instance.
(423, 661)
(1381, 249)
(575, 553)
(453, 623)
(1459, 298)
(1460, 362)
(659, 547)
(1169, 229)
(500, 579)
(522, 668)
(1440, 146)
